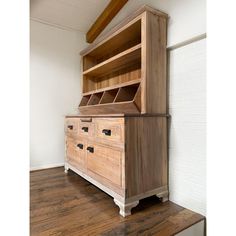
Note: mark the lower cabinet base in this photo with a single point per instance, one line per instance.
(125, 204)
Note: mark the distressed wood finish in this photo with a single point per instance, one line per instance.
(136, 50)
(125, 154)
(68, 205)
(75, 152)
(146, 154)
(115, 128)
(125, 73)
(129, 107)
(106, 162)
(118, 62)
(154, 32)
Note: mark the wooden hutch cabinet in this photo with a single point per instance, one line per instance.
(118, 141)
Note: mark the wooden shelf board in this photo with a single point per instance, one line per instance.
(106, 104)
(117, 107)
(115, 63)
(119, 115)
(136, 81)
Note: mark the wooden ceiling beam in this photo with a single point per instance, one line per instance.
(104, 19)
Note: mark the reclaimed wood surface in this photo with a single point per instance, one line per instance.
(146, 154)
(68, 205)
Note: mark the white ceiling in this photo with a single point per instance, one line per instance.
(71, 14)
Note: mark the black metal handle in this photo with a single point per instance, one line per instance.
(70, 127)
(85, 129)
(90, 149)
(107, 132)
(80, 145)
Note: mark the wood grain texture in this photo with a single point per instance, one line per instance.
(69, 205)
(118, 62)
(106, 162)
(104, 19)
(116, 127)
(146, 154)
(116, 115)
(154, 89)
(75, 152)
(125, 75)
(140, 54)
(115, 86)
(109, 108)
(144, 140)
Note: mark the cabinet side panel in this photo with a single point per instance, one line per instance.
(146, 154)
(156, 62)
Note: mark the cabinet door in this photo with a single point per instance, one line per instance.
(75, 152)
(105, 161)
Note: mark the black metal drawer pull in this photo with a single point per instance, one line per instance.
(85, 129)
(107, 132)
(70, 127)
(90, 149)
(80, 145)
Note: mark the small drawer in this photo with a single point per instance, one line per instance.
(86, 127)
(111, 129)
(71, 126)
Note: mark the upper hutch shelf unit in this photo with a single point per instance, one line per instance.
(124, 71)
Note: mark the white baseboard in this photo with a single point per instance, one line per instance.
(46, 166)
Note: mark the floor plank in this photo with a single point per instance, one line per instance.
(68, 205)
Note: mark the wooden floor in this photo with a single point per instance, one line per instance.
(68, 205)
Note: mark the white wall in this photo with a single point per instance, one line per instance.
(187, 152)
(187, 17)
(54, 90)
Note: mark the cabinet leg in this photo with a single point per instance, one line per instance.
(163, 196)
(66, 169)
(125, 209)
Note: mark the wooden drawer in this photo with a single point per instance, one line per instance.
(71, 126)
(75, 152)
(105, 162)
(86, 127)
(110, 129)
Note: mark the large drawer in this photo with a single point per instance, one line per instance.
(109, 129)
(76, 152)
(105, 161)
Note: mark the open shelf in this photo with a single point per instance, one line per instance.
(118, 62)
(127, 93)
(125, 65)
(109, 96)
(120, 42)
(126, 75)
(118, 99)
(84, 100)
(95, 98)
(115, 86)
